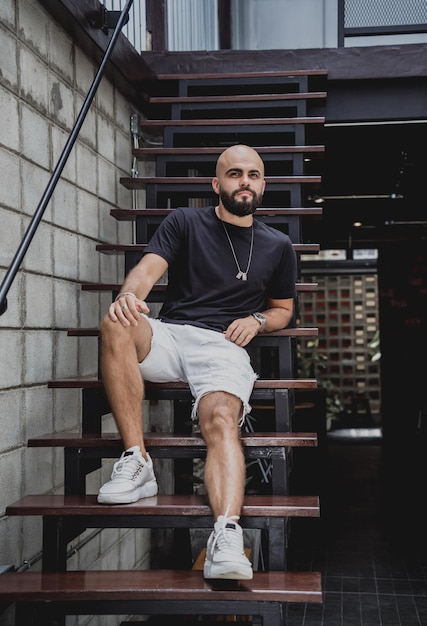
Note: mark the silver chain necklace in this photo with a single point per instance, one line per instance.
(240, 274)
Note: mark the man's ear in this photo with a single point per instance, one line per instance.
(215, 185)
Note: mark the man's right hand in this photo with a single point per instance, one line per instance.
(127, 309)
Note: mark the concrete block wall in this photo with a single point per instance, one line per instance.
(44, 78)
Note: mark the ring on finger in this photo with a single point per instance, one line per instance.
(125, 307)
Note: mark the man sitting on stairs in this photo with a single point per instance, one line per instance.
(230, 277)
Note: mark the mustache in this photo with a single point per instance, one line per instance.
(234, 194)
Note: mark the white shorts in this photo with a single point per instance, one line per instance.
(204, 359)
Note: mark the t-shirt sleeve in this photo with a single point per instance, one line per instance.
(283, 282)
(168, 237)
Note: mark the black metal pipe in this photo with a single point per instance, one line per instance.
(27, 564)
(341, 23)
(31, 230)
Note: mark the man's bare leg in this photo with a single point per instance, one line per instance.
(122, 349)
(219, 414)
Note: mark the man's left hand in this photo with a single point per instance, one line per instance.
(242, 331)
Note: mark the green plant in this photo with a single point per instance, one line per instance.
(374, 346)
(313, 364)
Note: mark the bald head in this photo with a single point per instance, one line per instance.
(237, 155)
(239, 181)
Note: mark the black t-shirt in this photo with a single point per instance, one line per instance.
(202, 286)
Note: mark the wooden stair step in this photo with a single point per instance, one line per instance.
(280, 343)
(65, 517)
(165, 505)
(273, 451)
(113, 440)
(300, 331)
(145, 180)
(104, 587)
(292, 217)
(302, 212)
(279, 391)
(195, 620)
(110, 248)
(96, 383)
(250, 121)
(215, 151)
(140, 182)
(261, 97)
(192, 620)
(157, 292)
(238, 75)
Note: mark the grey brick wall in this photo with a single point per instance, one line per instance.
(44, 78)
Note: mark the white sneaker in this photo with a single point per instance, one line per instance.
(225, 556)
(132, 479)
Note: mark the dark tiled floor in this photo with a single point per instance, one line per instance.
(373, 571)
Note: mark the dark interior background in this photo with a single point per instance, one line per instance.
(382, 159)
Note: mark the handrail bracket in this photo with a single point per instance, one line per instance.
(108, 20)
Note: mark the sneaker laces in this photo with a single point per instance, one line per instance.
(127, 467)
(221, 536)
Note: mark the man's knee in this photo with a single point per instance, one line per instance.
(106, 323)
(109, 329)
(114, 335)
(221, 423)
(129, 339)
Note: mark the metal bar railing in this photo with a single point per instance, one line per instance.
(341, 11)
(35, 221)
(384, 17)
(372, 31)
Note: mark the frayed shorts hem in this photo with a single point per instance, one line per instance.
(203, 358)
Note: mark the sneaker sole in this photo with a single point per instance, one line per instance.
(146, 491)
(217, 572)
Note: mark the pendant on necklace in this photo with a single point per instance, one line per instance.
(240, 274)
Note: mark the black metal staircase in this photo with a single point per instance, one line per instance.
(196, 117)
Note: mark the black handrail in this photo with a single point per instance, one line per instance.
(31, 230)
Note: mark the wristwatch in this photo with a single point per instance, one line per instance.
(261, 319)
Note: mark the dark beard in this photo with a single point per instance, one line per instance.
(240, 207)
